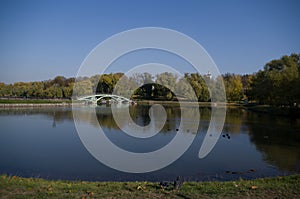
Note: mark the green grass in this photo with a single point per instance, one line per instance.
(279, 187)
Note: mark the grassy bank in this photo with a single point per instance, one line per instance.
(34, 101)
(16, 103)
(279, 187)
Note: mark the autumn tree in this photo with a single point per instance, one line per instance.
(233, 87)
(199, 86)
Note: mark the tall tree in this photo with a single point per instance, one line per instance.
(233, 87)
(165, 84)
(278, 83)
(199, 86)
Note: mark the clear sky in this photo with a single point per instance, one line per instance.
(42, 39)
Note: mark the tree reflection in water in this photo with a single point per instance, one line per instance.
(276, 137)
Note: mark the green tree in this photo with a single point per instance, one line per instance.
(68, 90)
(145, 83)
(184, 90)
(60, 81)
(83, 87)
(233, 86)
(247, 82)
(278, 83)
(199, 86)
(5, 90)
(218, 89)
(165, 84)
(125, 87)
(107, 82)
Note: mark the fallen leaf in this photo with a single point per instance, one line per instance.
(254, 187)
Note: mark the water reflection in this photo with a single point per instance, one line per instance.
(57, 115)
(278, 138)
(275, 139)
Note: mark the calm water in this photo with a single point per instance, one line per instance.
(43, 142)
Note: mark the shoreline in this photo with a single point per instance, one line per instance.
(275, 187)
(40, 105)
(262, 109)
(57, 103)
(12, 105)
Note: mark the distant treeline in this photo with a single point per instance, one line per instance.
(277, 84)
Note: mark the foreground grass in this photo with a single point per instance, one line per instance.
(279, 187)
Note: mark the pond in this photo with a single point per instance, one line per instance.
(43, 142)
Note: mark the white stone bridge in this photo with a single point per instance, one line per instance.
(104, 98)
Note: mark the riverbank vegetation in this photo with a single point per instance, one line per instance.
(33, 101)
(276, 85)
(278, 187)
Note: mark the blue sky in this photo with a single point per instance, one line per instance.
(42, 39)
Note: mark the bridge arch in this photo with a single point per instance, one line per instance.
(94, 99)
